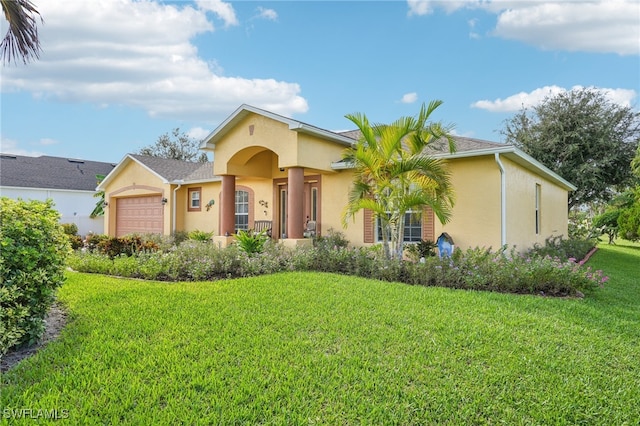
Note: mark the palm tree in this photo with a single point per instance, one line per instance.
(21, 39)
(394, 173)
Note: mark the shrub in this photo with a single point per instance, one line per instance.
(474, 269)
(557, 246)
(421, 249)
(92, 242)
(34, 249)
(179, 237)
(71, 231)
(333, 240)
(70, 228)
(127, 245)
(251, 242)
(198, 235)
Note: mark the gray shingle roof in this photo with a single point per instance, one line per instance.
(51, 172)
(463, 144)
(173, 170)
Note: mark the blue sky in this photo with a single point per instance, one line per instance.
(116, 74)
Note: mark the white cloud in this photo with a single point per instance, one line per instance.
(409, 98)
(48, 141)
(10, 146)
(139, 54)
(623, 97)
(198, 133)
(419, 7)
(269, 14)
(603, 26)
(224, 10)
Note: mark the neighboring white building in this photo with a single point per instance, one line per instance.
(70, 183)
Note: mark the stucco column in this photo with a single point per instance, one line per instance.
(295, 203)
(228, 205)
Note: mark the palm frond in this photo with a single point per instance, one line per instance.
(21, 39)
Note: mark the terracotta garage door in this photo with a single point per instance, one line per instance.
(139, 215)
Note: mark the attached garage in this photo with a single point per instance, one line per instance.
(140, 215)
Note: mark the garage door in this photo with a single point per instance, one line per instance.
(139, 215)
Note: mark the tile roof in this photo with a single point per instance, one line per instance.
(173, 170)
(51, 172)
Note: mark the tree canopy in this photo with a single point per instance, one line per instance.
(21, 39)
(177, 146)
(394, 173)
(582, 136)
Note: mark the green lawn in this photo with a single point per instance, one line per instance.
(310, 348)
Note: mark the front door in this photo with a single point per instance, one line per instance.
(311, 204)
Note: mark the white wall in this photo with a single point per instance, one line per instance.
(74, 206)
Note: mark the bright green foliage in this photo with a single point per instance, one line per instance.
(629, 219)
(583, 137)
(251, 242)
(395, 172)
(198, 235)
(33, 250)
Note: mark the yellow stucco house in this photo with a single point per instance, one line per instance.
(270, 171)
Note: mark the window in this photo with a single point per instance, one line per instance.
(242, 210)
(412, 227)
(194, 199)
(538, 199)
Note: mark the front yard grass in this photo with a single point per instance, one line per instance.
(313, 348)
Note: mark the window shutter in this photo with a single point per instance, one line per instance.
(368, 226)
(428, 224)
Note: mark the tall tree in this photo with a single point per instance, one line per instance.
(395, 173)
(178, 146)
(583, 137)
(21, 40)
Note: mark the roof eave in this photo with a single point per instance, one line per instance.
(126, 160)
(510, 151)
(209, 142)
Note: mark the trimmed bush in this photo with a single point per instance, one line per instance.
(33, 249)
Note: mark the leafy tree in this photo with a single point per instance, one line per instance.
(629, 219)
(583, 137)
(177, 146)
(21, 39)
(394, 173)
(607, 223)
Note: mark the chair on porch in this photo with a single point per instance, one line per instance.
(310, 230)
(262, 226)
